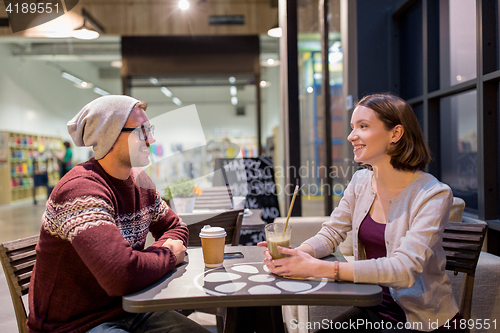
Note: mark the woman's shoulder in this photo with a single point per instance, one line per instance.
(428, 186)
(428, 181)
(362, 176)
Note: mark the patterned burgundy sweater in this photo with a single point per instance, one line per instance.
(91, 248)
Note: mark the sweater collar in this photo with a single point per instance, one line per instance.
(115, 181)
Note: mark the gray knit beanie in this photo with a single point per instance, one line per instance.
(100, 122)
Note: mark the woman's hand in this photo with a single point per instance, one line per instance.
(298, 264)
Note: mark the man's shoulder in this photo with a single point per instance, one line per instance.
(83, 180)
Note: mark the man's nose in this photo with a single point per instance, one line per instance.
(150, 139)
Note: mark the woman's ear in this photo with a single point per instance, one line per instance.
(397, 133)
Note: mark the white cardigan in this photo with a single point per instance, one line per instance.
(414, 268)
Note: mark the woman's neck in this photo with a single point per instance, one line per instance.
(390, 181)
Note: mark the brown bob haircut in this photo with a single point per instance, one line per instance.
(411, 152)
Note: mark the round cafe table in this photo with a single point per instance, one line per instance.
(252, 295)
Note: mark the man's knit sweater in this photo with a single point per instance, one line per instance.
(91, 248)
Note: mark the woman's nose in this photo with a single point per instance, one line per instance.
(352, 136)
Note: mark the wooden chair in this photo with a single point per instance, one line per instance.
(18, 259)
(230, 220)
(217, 197)
(462, 243)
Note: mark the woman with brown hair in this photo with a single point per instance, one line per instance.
(397, 214)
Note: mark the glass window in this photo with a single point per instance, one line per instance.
(312, 119)
(458, 119)
(411, 64)
(458, 40)
(498, 37)
(419, 112)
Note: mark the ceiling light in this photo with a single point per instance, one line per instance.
(275, 31)
(234, 100)
(264, 84)
(53, 26)
(153, 80)
(117, 63)
(270, 62)
(85, 33)
(90, 28)
(101, 92)
(167, 92)
(184, 4)
(177, 101)
(232, 79)
(310, 89)
(72, 78)
(233, 90)
(85, 85)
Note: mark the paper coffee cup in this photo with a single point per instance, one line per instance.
(212, 244)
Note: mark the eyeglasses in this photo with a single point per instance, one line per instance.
(142, 131)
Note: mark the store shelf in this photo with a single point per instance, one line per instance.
(21, 156)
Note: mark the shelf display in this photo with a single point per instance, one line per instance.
(28, 155)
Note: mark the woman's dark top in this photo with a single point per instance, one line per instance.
(371, 234)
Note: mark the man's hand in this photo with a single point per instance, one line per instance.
(178, 249)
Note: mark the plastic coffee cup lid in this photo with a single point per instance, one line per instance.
(212, 232)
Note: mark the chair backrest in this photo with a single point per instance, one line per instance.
(217, 197)
(18, 259)
(230, 220)
(462, 243)
(456, 210)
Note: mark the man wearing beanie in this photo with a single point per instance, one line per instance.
(91, 247)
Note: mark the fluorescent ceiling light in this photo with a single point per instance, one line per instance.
(72, 78)
(116, 63)
(167, 92)
(233, 90)
(234, 100)
(101, 92)
(85, 85)
(232, 79)
(177, 101)
(153, 80)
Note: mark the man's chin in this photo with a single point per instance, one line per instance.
(140, 162)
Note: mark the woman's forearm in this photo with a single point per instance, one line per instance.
(304, 247)
(326, 269)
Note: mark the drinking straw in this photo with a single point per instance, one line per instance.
(291, 206)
